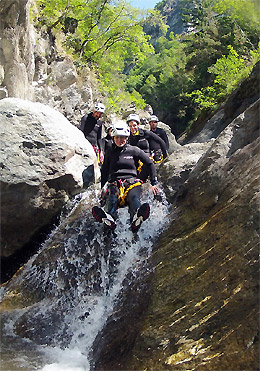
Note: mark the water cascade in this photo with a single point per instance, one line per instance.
(63, 297)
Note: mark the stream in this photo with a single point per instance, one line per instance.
(76, 279)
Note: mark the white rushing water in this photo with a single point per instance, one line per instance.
(88, 304)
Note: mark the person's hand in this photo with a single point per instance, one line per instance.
(155, 190)
(101, 157)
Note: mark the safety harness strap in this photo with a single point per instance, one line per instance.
(97, 152)
(156, 155)
(140, 165)
(124, 190)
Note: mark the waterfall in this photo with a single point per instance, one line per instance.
(75, 280)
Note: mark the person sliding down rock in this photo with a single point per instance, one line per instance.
(120, 183)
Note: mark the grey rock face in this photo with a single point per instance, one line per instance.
(203, 308)
(16, 55)
(178, 166)
(32, 68)
(208, 181)
(42, 159)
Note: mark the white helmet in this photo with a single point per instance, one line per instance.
(133, 117)
(154, 118)
(99, 107)
(120, 129)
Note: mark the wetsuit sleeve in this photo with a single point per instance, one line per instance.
(105, 167)
(83, 122)
(99, 136)
(159, 140)
(165, 138)
(142, 156)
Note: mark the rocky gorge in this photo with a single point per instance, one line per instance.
(194, 301)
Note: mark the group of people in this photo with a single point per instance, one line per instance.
(127, 157)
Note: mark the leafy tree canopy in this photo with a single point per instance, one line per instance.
(179, 75)
(105, 34)
(191, 73)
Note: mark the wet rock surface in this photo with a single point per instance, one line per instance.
(203, 313)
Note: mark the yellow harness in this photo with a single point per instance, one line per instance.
(97, 152)
(140, 164)
(152, 157)
(157, 162)
(124, 192)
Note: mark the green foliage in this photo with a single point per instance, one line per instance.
(245, 13)
(103, 33)
(156, 72)
(229, 71)
(101, 27)
(180, 76)
(196, 71)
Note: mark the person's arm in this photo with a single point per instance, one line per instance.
(83, 122)
(99, 135)
(105, 167)
(142, 156)
(150, 135)
(99, 143)
(103, 144)
(164, 138)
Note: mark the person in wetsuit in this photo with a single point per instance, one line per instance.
(91, 125)
(148, 142)
(107, 140)
(120, 183)
(153, 122)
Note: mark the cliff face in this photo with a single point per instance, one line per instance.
(171, 11)
(204, 304)
(16, 53)
(33, 68)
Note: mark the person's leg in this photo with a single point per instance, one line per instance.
(133, 200)
(112, 200)
(138, 212)
(110, 203)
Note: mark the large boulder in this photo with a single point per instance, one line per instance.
(176, 169)
(42, 160)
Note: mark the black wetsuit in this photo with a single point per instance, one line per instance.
(92, 130)
(148, 142)
(106, 142)
(162, 134)
(120, 167)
